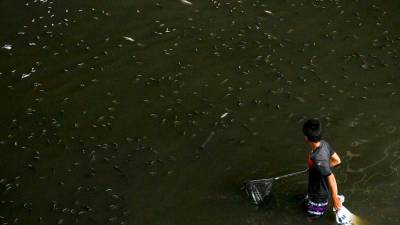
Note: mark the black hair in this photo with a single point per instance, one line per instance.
(312, 129)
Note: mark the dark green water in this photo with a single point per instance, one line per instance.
(101, 129)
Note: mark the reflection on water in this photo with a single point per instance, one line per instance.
(146, 112)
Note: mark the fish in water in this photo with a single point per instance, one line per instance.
(186, 2)
(25, 75)
(128, 38)
(7, 47)
(268, 12)
(223, 115)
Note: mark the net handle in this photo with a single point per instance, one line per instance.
(290, 174)
(280, 177)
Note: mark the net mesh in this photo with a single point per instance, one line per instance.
(258, 190)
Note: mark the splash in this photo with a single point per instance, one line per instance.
(345, 217)
(358, 221)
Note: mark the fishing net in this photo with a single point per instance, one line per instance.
(258, 190)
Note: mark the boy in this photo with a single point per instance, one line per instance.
(320, 177)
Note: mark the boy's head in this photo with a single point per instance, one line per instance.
(312, 130)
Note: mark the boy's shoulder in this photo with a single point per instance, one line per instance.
(328, 147)
(324, 152)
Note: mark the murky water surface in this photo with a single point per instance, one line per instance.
(146, 112)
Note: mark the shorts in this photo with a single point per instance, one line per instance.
(314, 209)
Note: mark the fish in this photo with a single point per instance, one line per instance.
(268, 12)
(128, 38)
(7, 47)
(25, 75)
(223, 115)
(210, 136)
(186, 2)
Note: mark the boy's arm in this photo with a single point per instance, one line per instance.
(337, 204)
(335, 160)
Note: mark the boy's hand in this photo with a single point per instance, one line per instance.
(337, 204)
